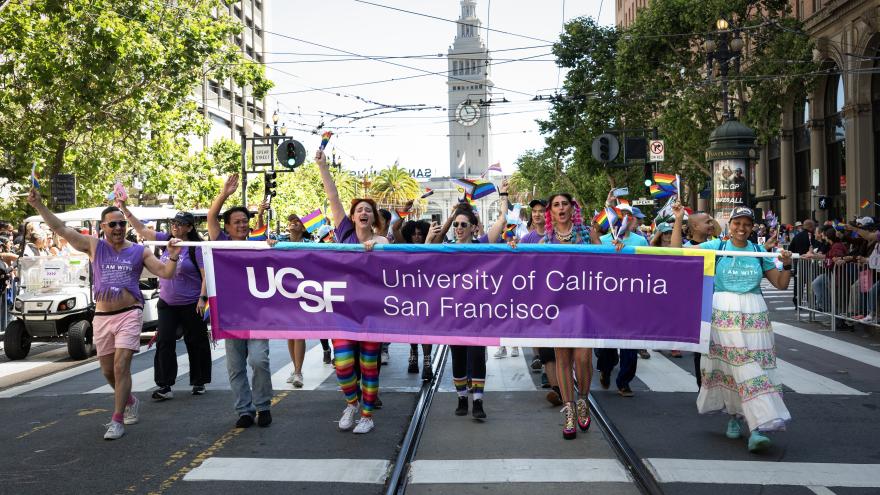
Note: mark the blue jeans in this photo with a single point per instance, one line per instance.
(255, 352)
(608, 359)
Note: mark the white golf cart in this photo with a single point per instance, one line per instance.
(55, 299)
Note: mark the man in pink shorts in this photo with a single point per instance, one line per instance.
(117, 265)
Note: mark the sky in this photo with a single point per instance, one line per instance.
(332, 36)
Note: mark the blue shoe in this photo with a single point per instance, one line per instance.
(758, 442)
(733, 429)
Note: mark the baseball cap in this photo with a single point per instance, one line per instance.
(864, 221)
(664, 227)
(626, 208)
(637, 212)
(742, 212)
(534, 202)
(184, 217)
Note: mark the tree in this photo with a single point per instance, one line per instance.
(301, 192)
(393, 187)
(102, 88)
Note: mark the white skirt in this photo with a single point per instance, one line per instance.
(737, 374)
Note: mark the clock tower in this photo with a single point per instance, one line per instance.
(469, 90)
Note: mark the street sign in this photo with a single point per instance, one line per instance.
(644, 202)
(262, 154)
(657, 150)
(64, 189)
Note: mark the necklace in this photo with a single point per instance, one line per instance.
(564, 237)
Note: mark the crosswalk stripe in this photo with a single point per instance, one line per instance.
(662, 375)
(764, 473)
(839, 347)
(366, 471)
(314, 371)
(805, 381)
(509, 374)
(485, 471)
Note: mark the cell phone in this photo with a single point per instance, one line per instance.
(620, 192)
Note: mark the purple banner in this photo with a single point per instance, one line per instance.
(576, 299)
(531, 297)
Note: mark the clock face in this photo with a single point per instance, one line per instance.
(467, 114)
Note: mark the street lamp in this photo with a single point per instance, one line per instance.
(273, 131)
(724, 47)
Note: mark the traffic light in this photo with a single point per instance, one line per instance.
(649, 174)
(604, 148)
(291, 154)
(269, 184)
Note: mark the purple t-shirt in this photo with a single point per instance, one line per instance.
(186, 285)
(345, 232)
(117, 271)
(533, 237)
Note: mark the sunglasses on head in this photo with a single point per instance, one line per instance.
(114, 224)
(463, 225)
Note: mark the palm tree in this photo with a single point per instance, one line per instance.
(393, 187)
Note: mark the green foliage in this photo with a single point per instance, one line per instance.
(653, 74)
(103, 88)
(393, 187)
(302, 191)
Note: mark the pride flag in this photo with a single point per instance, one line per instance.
(34, 181)
(428, 192)
(258, 234)
(207, 315)
(325, 138)
(662, 191)
(475, 189)
(314, 220)
(863, 204)
(667, 179)
(601, 219)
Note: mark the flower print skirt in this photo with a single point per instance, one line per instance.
(737, 372)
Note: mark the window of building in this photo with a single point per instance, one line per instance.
(835, 144)
(479, 152)
(817, 4)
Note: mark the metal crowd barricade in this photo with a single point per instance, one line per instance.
(845, 292)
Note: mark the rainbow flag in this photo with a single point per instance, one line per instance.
(621, 201)
(402, 214)
(864, 203)
(664, 179)
(207, 315)
(34, 181)
(661, 191)
(475, 189)
(495, 167)
(325, 138)
(314, 220)
(259, 234)
(601, 219)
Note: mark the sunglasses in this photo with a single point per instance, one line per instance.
(463, 225)
(175, 223)
(113, 225)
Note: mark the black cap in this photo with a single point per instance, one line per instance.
(742, 212)
(534, 202)
(184, 217)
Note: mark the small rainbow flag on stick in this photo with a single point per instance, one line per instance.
(325, 138)
(863, 204)
(207, 315)
(34, 181)
(428, 192)
(601, 219)
(667, 179)
(660, 192)
(258, 234)
(314, 220)
(475, 188)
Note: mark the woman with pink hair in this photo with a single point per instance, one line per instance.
(564, 225)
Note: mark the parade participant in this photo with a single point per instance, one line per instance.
(116, 266)
(563, 225)
(37, 242)
(535, 226)
(738, 371)
(250, 400)
(297, 232)
(416, 232)
(468, 361)
(607, 359)
(700, 228)
(182, 300)
(360, 226)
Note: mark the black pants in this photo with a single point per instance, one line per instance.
(468, 361)
(608, 359)
(195, 336)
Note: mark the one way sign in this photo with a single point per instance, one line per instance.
(656, 150)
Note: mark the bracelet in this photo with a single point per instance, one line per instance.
(204, 298)
(174, 259)
(502, 194)
(786, 267)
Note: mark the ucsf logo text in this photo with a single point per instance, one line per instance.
(316, 296)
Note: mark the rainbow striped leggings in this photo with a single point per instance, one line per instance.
(365, 383)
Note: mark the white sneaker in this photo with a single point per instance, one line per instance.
(290, 378)
(346, 422)
(514, 352)
(364, 425)
(297, 380)
(114, 431)
(131, 412)
(501, 353)
(385, 357)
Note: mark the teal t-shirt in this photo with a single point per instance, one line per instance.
(630, 240)
(737, 274)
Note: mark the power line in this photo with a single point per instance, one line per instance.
(450, 20)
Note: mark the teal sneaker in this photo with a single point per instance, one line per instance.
(733, 429)
(758, 442)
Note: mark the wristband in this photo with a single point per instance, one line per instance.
(204, 298)
(174, 259)
(786, 267)
(502, 194)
